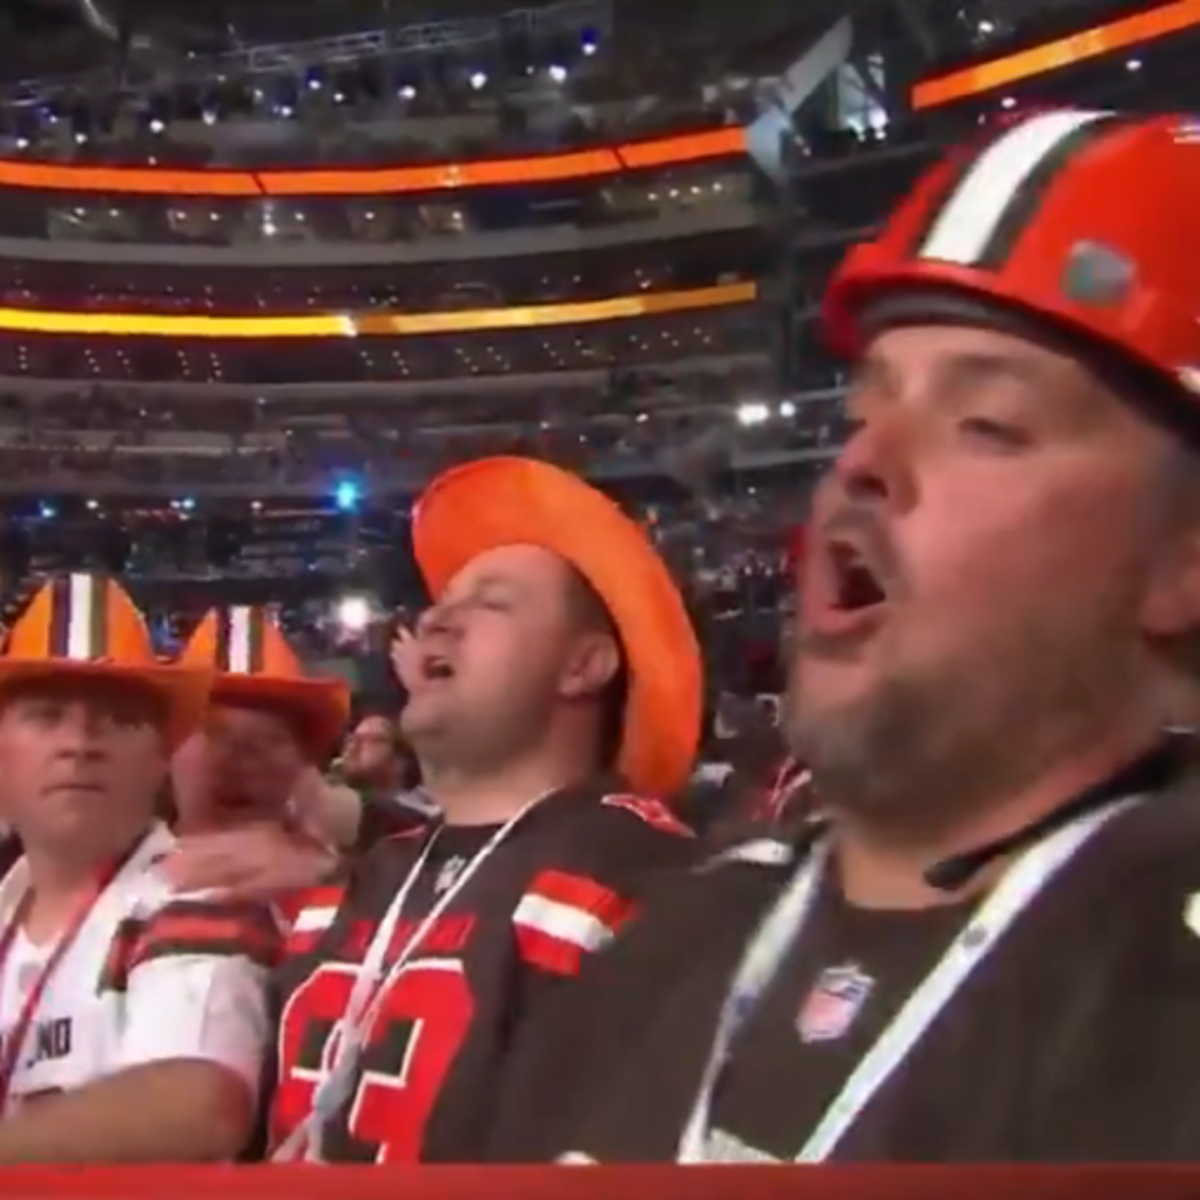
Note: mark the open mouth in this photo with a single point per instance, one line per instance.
(856, 584)
(435, 668)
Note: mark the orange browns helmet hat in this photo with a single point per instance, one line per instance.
(508, 501)
(87, 626)
(257, 668)
(1087, 221)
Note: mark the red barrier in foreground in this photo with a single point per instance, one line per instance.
(601, 1183)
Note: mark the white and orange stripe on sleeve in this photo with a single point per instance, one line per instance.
(562, 917)
(309, 915)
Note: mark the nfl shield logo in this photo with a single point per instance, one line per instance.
(446, 878)
(835, 1000)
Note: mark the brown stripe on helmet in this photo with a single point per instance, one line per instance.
(222, 640)
(99, 616)
(58, 633)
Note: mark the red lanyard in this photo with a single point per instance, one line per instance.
(15, 1039)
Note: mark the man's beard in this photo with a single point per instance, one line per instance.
(925, 743)
(858, 752)
(366, 778)
(353, 776)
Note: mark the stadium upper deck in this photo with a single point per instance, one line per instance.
(176, 453)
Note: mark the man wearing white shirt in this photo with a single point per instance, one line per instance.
(132, 1017)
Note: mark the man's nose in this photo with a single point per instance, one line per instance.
(81, 733)
(873, 467)
(440, 618)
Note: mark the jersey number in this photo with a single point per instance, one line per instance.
(419, 1023)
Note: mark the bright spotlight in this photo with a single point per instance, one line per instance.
(354, 613)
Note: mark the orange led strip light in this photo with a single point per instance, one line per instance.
(376, 181)
(1121, 34)
(370, 324)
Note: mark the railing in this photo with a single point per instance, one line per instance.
(885, 1182)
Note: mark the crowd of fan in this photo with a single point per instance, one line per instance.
(380, 220)
(649, 342)
(732, 556)
(447, 286)
(373, 449)
(730, 546)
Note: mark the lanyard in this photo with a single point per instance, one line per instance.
(782, 927)
(371, 985)
(15, 1040)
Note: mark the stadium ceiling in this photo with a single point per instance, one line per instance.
(941, 27)
(225, 24)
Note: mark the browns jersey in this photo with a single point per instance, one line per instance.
(440, 1036)
(1073, 1040)
(152, 975)
(789, 798)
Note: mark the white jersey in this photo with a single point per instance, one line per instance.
(152, 975)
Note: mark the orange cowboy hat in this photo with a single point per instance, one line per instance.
(256, 667)
(507, 501)
(86, 625)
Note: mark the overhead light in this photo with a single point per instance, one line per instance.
(752, 414)
(354, 613)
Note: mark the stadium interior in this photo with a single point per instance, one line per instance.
(266, 267)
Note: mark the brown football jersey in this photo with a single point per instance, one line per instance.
(1073, 1038)
(559, 886)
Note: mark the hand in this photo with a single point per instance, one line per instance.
(403, 655)
(327, 812)
(259, 861)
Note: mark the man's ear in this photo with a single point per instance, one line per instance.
(1172, 602)
(594, 663)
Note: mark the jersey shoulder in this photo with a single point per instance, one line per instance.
(359, 894)
(1146, 872)
(588, 873)
(624, 830)
(153, 922)
(161, 922)
(649, 811)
